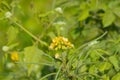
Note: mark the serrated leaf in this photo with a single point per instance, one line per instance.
(12, 34)
(84, 15)
(108, 18)
(114, 61)
(116, 77)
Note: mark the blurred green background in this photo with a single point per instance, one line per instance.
(81, 21)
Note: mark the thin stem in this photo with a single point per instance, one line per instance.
(29, 33)
(101, 36)
(73, 56)
(45, 54)
(49, 64)
(87, 44)
(53, 4)
(101, 56)
(49, 25)
(47, 76)
(86, 74)
(91, 41)
(58, 72)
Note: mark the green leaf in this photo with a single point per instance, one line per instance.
(93, 69)
(116, 77)
(104, 66)
(84, 15)
(117, 11)
(115, 62)
(83, 68)
(32, 56)
(117, 22)
(108, 18)
(51, 35)
(12, 34)
(94, 56)
(94, 4)
(105, 77)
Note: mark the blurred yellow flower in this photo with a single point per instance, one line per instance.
(60, 43)
(14, 56)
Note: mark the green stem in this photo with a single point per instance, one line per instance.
(48, 64)
(53, 4)
(101, 56)
(91, 41)
(29, 33)
(81, 47)
(58, 72)
(47, 76)
(73, 56)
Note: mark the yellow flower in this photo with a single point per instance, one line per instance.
(14, 56)
(60, 43)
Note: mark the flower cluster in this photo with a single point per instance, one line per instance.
(59, 10)
(60, 43)
(5, 48)
(14, 56)
(8, 15)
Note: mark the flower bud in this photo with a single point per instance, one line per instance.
(57, 55)
(59, 10)
(59, 23)
(5, 48)
(9, 65)
(8, 14)
(92, 43)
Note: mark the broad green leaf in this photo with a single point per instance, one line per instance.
(105, 77)
(108, 18)
(117, 11)
(32, 56)
(84, 14)
(94, 4)
(93, 69)
(111, 72)
(12, 34)
(83, 68)
(104, 66)
(117, 22)
(116, 77)
(115, 62)
(83, 5)
(94, 56)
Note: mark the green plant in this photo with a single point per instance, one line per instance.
(59, 39)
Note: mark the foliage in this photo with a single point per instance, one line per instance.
(59, 39)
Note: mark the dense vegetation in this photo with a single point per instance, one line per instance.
(59, 39)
